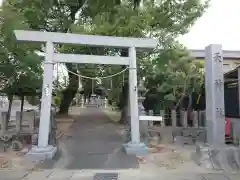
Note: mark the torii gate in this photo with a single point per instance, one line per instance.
(49, 38)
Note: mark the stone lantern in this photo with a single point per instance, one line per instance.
(143, 125)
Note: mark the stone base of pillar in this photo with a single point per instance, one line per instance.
(41, 154)
(225, 158)
(135, 149)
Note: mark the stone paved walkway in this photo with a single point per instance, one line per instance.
(113, 175)
(93, 143)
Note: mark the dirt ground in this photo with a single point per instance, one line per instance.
(12, 159)
(164, 155)
(171, 158)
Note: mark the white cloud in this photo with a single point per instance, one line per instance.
(219, 25)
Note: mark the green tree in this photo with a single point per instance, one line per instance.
(171, 19)
(164, 20)
(20, 66)
(175, 76)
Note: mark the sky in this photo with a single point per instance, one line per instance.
(219, 25)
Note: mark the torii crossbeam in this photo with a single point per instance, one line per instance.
(49, 38)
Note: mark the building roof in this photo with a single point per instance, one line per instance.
(233, 74)
(227, 55)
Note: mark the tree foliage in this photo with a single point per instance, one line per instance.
(175, 76)
(20, 67)
(164, 20)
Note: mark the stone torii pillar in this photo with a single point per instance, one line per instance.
(43, 148)
(133, 95)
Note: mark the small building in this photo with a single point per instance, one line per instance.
(231, 58)
(231, 93)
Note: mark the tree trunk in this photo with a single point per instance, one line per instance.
(125, 91)
(10, 101)
(189, 108)
(21, 111)
(124, 103)
(70, 92)
(72, 88)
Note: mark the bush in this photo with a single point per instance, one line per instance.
(57, 101)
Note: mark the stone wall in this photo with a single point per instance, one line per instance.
(187, 125)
